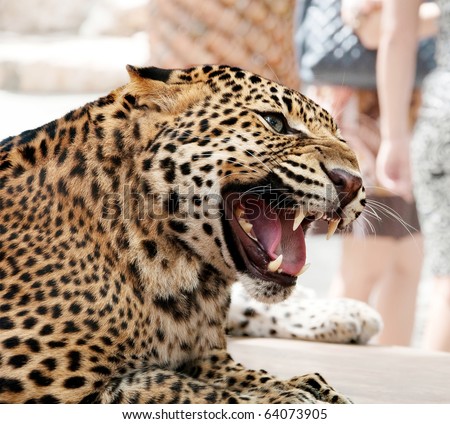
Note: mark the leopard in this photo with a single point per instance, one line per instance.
(125, 223)
(303, 316)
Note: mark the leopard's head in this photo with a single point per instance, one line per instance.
(249, 165)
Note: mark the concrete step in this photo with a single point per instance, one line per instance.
(61, 63)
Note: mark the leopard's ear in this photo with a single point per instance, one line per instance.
(150, 73)
(153, 85)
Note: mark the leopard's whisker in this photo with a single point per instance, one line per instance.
(371, 226)
(365, 230)
(371, 212)
(390, 213)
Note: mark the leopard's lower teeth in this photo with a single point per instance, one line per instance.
(239, 212)
(303, 270)
(275, 264)
(246, 226)
(332, 226)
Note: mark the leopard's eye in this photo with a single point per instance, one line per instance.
(277, 122)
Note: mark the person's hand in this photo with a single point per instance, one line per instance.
(393, 168)
(363, 16)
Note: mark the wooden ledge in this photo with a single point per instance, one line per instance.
(367, 374)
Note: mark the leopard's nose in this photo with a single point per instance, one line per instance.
(346, 185)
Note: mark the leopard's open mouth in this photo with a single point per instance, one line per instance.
(265, 240)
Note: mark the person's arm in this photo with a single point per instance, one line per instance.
(364, 17)
(396, 65)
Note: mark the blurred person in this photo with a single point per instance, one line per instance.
(382, 258)
(430, 148)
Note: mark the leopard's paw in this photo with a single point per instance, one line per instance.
(317, 386)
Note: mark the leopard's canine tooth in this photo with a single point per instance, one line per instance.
(275, 264)
(332, 226)
(303, 270)
(299, 217)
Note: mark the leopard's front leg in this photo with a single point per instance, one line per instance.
(221, 370)
(156, 385)
(215, 379)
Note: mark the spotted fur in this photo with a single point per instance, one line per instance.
(303, 317)
(115, 270)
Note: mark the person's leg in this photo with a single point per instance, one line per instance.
(430, 150)
(437, 330)
(397, 291)
(363, 263)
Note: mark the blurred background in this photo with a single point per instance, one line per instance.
(54, 48)
(56, 56)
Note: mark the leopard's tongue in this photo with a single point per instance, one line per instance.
(274, 231)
